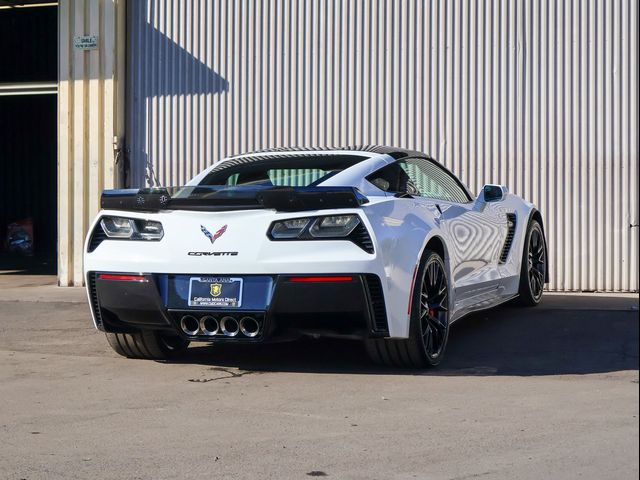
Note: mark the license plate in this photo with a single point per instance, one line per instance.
(215, 292)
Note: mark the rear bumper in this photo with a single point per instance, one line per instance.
(280, 304)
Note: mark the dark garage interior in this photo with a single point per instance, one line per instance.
(28, 138)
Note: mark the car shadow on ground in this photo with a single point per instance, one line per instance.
(558, 337)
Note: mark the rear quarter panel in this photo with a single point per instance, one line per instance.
(401, 227)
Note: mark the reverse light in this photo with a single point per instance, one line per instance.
(334, 226)
(131, 228)
(149, 229)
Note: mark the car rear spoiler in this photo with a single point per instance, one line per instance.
(225, 198)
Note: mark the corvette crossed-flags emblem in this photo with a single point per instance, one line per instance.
(215, 236)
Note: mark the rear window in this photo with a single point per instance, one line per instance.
(283, 171)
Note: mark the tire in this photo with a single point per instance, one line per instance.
(429, 321)
(147, 345)
(533, 268)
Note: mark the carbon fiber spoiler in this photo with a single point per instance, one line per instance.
(225, 198)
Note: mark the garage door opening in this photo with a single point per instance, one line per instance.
(28, 137)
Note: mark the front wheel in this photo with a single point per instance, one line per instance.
(148, 345)
(429, 321)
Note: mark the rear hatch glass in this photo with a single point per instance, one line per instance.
(280, 171)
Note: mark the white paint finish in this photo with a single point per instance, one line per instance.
(473, 234)
(89, 114)
(541, 96)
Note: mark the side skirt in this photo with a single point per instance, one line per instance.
(480, 307)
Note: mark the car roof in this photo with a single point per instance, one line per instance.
(374, 158)
(367, 150)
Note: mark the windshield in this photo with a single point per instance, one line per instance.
(281, 171)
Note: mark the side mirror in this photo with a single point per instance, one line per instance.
(493, 193)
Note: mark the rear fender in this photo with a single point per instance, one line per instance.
(401, 234)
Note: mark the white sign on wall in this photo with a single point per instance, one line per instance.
(85, 42)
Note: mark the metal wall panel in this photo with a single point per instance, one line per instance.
(539, 95)
(90, 114)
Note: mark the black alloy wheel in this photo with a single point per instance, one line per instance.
(429, 321)
(536, 262)
(533, 271)
(434, 309)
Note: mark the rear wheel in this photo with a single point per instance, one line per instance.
(533, 270)
(147, 345)
(429, 322)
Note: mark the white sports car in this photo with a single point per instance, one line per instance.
(375, 243)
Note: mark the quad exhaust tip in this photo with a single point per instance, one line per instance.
(189, 325)
(229, 326)
(209, 325)
(249, 327)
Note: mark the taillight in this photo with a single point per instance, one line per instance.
(321, 279)
(122, 278)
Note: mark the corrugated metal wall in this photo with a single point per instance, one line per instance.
(539, 95)
(89, 115)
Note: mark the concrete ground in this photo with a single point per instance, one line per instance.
(549, 392)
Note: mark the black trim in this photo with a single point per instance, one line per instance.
(97, 237)
(125, 304)
(216, 198)
(360, 236)
(322, 308)
(288, 199)
(511, 231)
(95, 303)
(143, 199)
(378, 310)
(354, 308)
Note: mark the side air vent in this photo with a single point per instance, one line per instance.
(379, 323)
(97, 237)
(93, 294)
(511, 230)
(360, 236)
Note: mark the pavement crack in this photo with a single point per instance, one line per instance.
(229, 374)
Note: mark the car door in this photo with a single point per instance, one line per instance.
(475, 230)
